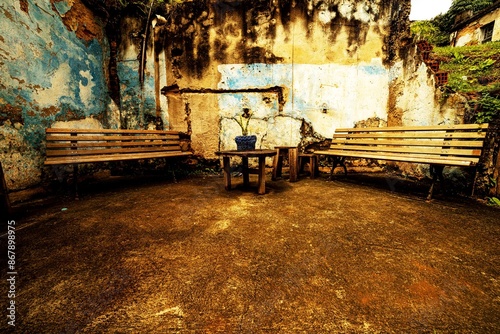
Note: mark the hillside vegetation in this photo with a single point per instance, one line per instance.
(474, 71)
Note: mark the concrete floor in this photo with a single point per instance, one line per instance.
(366, 254)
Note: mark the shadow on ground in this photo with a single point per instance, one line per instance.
(360, 255)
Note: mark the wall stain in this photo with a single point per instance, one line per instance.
(11, 113)
(24, 6)
(245, 32)
(83, 22)
(174, 90)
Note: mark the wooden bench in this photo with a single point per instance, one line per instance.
(82, 146)
(439, 146)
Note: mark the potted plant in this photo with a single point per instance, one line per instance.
(245, 142)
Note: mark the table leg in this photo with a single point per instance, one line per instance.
(293, 157)
(262, 176)
(227, 172)
(277, 164)
(246, 177)
(313, 166)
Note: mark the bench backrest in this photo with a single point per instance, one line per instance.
(461, 145)
(81, 142)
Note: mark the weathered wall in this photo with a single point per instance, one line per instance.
(331, 60)
(472, 34)
(51, 66)
(414, 99)
(303, 67)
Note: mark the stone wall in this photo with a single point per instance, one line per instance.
(302, 67)
(52, 71)
(332, 60)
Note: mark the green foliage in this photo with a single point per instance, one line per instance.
(492, 182)
(471, 68)
(443, 24)
(458, 58)
(424, 30)
(459, 6)
(489, 108)
(243, 120)
(482, 65)
(493, 201)
(475, 72)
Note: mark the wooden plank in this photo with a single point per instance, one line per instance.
(62, 153)
(113, 157)
(443, 135)
(450, 161)
(86, 145)
(409, 142)
(261, 189)
(402, 149)
(106, 138)
(111, 131)
(417, 128)
(382, 155)
(246, 171)
(227, 172)
(293, 161)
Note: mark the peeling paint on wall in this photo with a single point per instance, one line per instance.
(48, 74)
(324, 96)
(303, 67)
(472, 31)
(332, 59)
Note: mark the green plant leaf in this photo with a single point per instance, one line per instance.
(493, 201)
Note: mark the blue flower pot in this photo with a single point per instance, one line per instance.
(245, 143)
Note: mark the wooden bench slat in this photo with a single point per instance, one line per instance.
(439, 146)
(108, 138)
(85, 145)
(63, 153)
(450, 161)
(402, 149)
(82, 146)
(409, 142)
(114, 157)
(73, 146)
(111, 131)
(411, 135)
(417, 128)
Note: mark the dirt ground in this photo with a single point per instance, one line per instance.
(363, 254)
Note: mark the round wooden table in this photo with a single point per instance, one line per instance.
(244, 155)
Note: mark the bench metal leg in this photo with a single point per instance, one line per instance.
(473, 181)
(338, 161)
(437, 173)
(75, 180)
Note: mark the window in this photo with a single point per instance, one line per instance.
(487, 32)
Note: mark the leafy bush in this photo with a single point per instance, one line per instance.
(489, 108)
(471, 68)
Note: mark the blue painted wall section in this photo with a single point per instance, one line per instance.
(48, 74)
(323, 96)
(138, 106)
